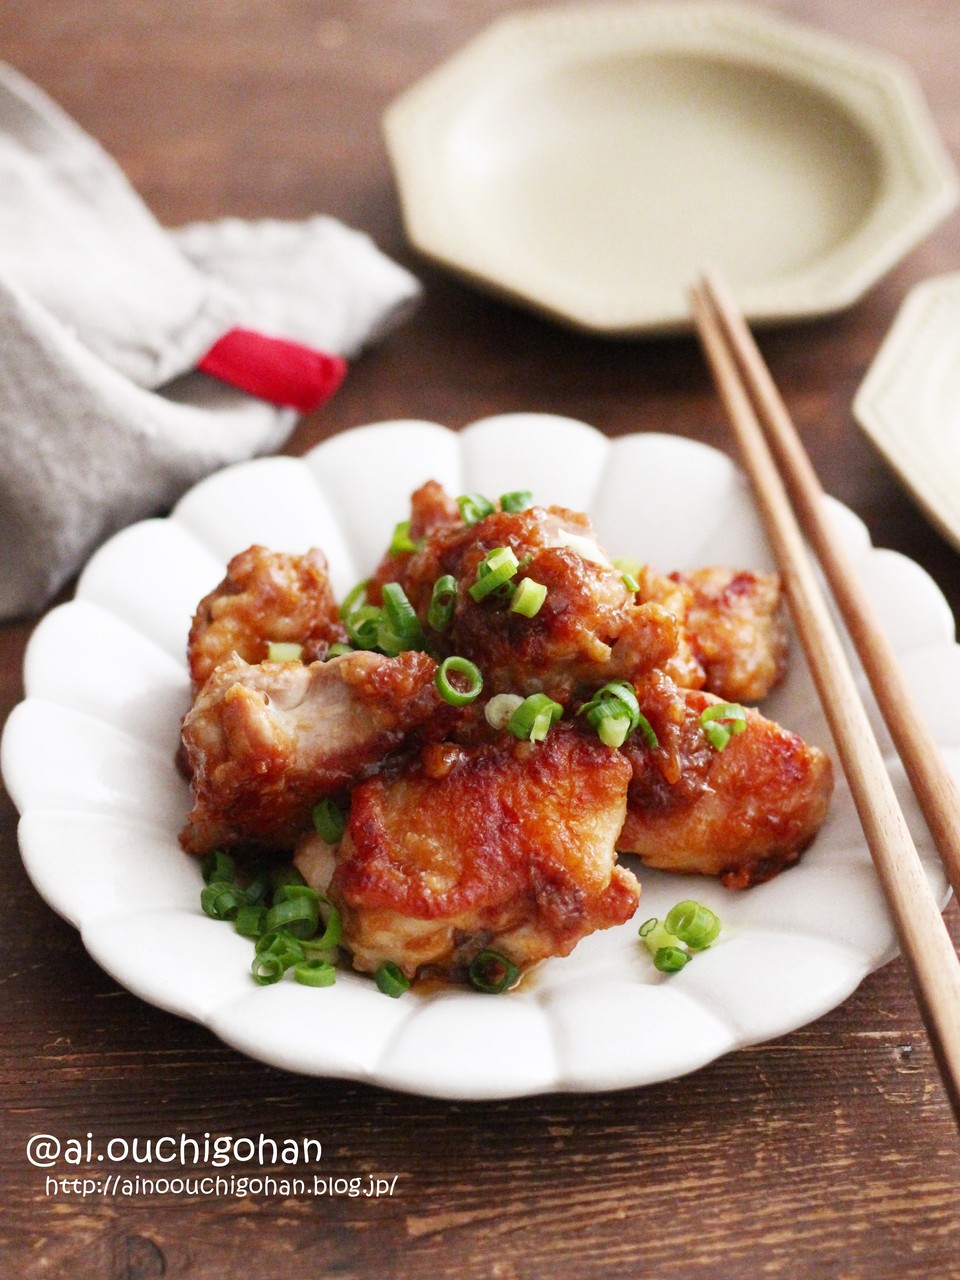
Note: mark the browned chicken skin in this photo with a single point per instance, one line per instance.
(736, 630)
(264, 743)
(265, 596)
(509, 845)
(743, 813)
(589, 630)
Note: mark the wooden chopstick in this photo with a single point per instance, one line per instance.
(932, 783)
(924, 941)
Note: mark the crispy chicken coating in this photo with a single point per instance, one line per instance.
(509, 845)
(743, 813)
(265, 742)
(265, 596)
(736, 630)
(590, 629)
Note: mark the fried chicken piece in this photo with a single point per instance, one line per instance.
(736, 630)
(590, 629)
(265, 596)
(264, 743)
(743, 813)
(508, 845)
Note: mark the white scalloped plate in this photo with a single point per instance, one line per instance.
(88, 759)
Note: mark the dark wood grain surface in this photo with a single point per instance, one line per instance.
(828, 1153)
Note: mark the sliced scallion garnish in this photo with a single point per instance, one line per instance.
(474, 507)
(721, 721)
(516, 500)
(693, 923)
(391, 979)
(284, 651)
(363, 626)
(338, 648)
(221, 900)
(500, 708)
(219, 866)
(249, 921)
(354, 598)
(401, 540)
(315, 973)
(495, 569)
(297, 915)
(614, 712)
(398, 628)
(534, 717)
(670, 959)
(443, 600)
(329, 820)
(458, 695)
(493, 973)
(528, 598)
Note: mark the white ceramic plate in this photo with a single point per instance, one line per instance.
(909, 402)
(591, 160)
(88, 759)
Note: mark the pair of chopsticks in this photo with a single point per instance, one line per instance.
(781, 473)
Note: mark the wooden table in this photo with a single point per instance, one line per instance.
(828, 1153)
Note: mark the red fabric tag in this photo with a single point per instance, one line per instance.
(275, 369)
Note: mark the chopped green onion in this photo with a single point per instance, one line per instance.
(255, 890)
(401, 540)
(283, 876)
(449, 692)
(493, 973)
(534, 717)
(693, 923)
(443, 600)
(283, 651)
(612, 729)
(338, 648)
(219, 866)
(473, 507)
(250, 920)
(267, 968)
(721, 721)
(500, 708)
(333, 930)
(655, 935)
(398, 628)
(284, 946)
(221, 900)
(529, 598)
(609, 707)
(354, 598)
(391, 979)
(496, 568)
(315, 973)
(329, 820)
(363, 626)
(516, 500)
(627, 566)
(630, 582)
(297, 915)
(670, 959)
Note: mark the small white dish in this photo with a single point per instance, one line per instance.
(909, 402)
(590, 161)
(88, 759)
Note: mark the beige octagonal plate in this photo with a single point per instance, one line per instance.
(909, 402)
(589, 161)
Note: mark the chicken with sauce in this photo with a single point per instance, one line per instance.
(461, 835)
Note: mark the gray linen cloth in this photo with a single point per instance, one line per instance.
(104, 316)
